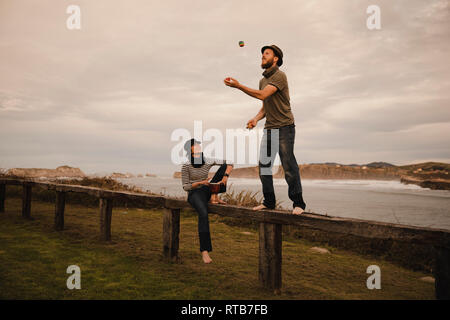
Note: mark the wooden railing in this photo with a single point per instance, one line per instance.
(270, 227)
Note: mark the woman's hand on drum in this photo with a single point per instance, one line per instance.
(200, 183)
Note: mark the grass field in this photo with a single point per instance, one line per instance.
(34, 259)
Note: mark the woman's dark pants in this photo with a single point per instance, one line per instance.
(199, 198)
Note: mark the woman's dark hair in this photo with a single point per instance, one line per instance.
(188, 147)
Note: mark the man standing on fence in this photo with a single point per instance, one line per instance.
(279, 129)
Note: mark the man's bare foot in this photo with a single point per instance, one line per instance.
(206, 257)
(260, 207)
(297, 210)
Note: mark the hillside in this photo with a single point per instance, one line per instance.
(433, 175)
(323, 171)
(61, 171)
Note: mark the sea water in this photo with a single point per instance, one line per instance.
(376, 200)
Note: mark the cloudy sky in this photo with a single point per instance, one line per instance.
(108, 96)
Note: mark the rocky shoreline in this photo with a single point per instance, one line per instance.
(436, 184)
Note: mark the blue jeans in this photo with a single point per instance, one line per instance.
(286, 138)
(199, 198)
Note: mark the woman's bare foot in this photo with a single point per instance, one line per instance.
(220, 201)
(214, 199)
(297, 210)
(260, 207)
(206, 257)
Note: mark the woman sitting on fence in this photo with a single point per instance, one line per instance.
(194, 175)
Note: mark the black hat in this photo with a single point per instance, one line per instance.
(277, 51)
(189, 144)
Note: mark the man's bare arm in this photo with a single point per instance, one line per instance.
(260, 115)
(258, 94)
(254, 121)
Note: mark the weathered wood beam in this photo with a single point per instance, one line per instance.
(59, 210)
(171, 231)
(2, 197)
(17, 182)
(270, 240)
(357, 227)
(176, 203)
(96, 192)
(442, 273)
(26, 200)
(147, 199)
(150, 201)
(105, 206)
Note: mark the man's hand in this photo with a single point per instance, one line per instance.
(251, 123)
(231, 82)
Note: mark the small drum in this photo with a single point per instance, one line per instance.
(214, 187)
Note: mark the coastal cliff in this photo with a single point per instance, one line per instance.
(59, 172)
(323, 171)
(62, 172)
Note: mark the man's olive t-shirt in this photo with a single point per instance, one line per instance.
(277, 106)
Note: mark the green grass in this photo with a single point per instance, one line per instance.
(34, 259)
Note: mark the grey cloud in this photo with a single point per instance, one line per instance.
(110, 94)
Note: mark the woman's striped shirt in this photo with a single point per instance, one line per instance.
(190, 174)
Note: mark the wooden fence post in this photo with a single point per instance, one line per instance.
(171, 231)
(59, 210)
(2, 197)
(105, 205)
(270, 238)
(26, 201)
(442, 273)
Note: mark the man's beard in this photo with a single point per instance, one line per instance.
(268, 64)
